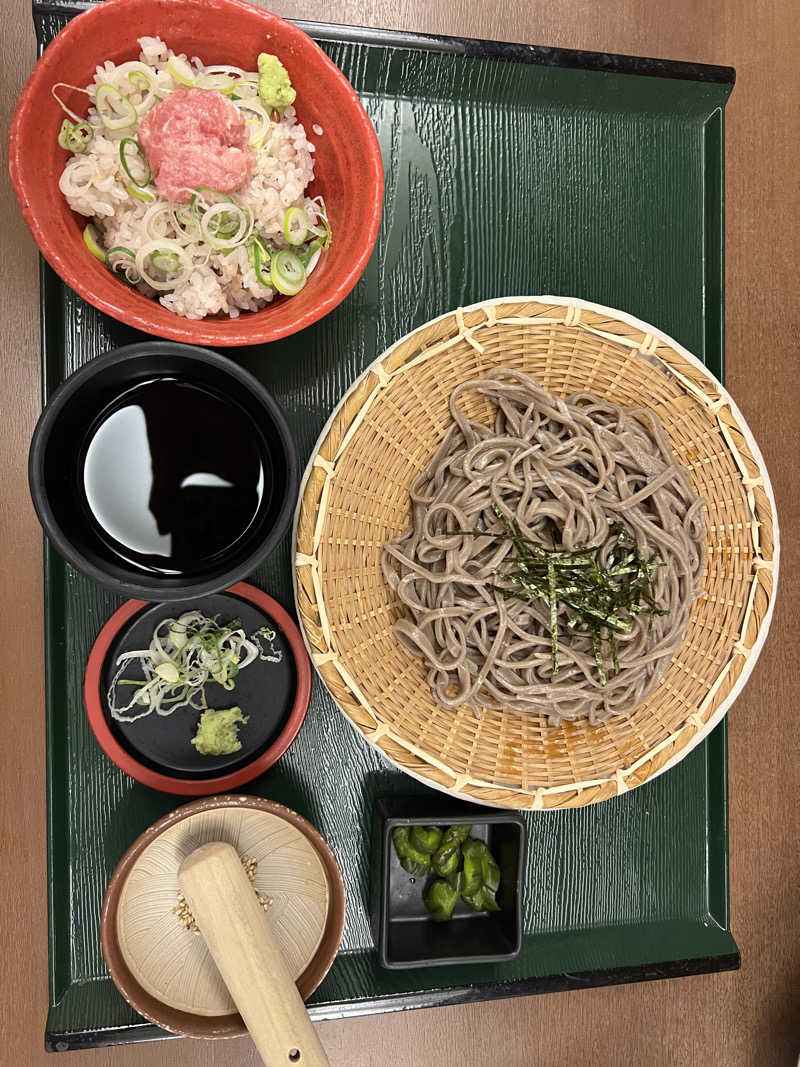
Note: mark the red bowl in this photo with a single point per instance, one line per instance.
(348, 168)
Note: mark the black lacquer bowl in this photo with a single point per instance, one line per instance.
(172, 502)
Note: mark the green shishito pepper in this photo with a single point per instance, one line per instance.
(440, 900)
(481, 876)
(483, 900)
(426, 838)
(464, 865)
(472, 852)
(447, 857)
(411, 859)
(446, 863)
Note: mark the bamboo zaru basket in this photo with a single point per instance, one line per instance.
(355, 496)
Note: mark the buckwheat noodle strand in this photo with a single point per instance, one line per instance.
(566, 471)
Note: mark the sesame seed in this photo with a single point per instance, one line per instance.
(184, 915)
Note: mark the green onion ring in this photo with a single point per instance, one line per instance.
(163, 248)
(75, 138)
(287, 273)
(260, 259)
(126, 167)
(147, 195)
(168, 262)
(295, 226)
(120, 112)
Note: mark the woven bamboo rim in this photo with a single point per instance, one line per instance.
(355, 495)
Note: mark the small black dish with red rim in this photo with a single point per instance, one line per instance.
(157, 750)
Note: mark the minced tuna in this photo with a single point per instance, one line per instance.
(196, 137)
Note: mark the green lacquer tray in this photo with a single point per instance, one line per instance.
(509, 170)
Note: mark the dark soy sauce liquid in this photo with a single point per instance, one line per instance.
(173, 475)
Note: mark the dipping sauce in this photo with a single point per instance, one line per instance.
(173, 475)
(196, 137)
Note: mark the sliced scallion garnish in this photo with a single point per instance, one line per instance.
(183, 656)
(115, 111)
(143, 74)
(165, 261)
(75, 137)
(92, 242)
(221, 82)
(186, 221)
(226, 225)
(258, 124)
(145, 195)
(181, 70)
(122, 261)
(287, 273)
(295, 226)
(260, 258)
(143, 167)
(168, 258)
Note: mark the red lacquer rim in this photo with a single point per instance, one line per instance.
(94, 701)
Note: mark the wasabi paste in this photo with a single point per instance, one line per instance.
(218, 732)
(274, 85)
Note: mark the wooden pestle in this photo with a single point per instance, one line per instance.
(241, 942)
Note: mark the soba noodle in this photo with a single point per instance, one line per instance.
(568, 472)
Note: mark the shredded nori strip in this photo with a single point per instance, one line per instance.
(600, 598)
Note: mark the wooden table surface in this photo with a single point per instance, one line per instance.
(749, 1018)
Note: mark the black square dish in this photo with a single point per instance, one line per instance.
(405, 935)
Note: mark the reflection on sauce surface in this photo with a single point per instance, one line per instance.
(173, 475)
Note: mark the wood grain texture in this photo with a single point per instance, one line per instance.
(244, 946)
(744, 1019)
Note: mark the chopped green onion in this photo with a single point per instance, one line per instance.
(149, 89)
(183, 655)
(181, 70)
(168, 262)
(259, 126)
(221, 82)
(186, 221)
(75, 138)
(167, 257)
(146, 78)
(122, 261)
(116, 113)
(167, 672)
(321, 241)
(295, 226)
(199, 197)
(226, 225)
(92, 242)
(327, 233)
(306, 257)
(146, 195)
(287, 273)
(147, 176)
(260, 258)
